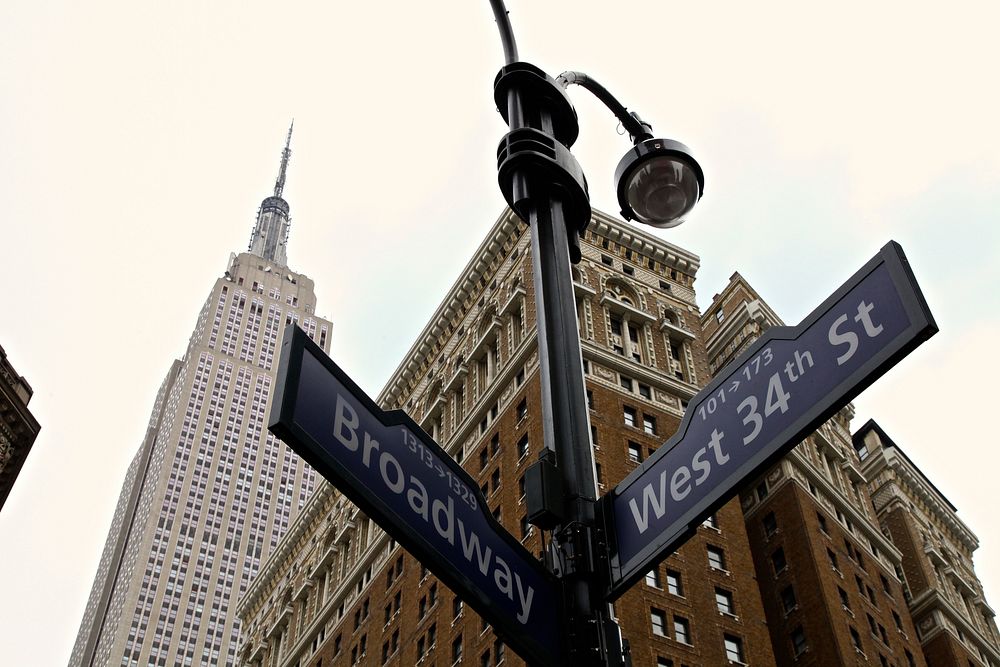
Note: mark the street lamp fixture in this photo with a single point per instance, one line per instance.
(659, 182)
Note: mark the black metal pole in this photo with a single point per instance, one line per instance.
(592, 633)
(545, 186)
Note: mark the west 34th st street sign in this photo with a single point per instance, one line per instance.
(386, 465)
(759, 407)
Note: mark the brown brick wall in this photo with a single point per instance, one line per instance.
(811, 574)
(945, 650)
(905, 538)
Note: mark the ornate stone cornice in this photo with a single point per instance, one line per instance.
(651, 376)
(931, 601)
(643, 242)
(452, 306)
(485, 257)
(916, 486)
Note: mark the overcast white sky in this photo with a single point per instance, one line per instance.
(138, 138)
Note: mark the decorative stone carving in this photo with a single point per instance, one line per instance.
(604, 373)
(775, 475)
(6, 451)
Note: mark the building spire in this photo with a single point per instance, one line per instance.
(279, 185)
(270, 234)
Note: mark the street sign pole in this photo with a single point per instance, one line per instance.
(760, 406)
(385, 464)
(545, 186)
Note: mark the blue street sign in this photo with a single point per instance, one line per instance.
(384, 463)
(760, 406)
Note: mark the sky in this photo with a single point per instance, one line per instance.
(138, 138)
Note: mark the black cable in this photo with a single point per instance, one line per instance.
(637, 129)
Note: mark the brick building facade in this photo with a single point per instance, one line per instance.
(827, 574)
(955, 624)
(340, 592)
(803, 568)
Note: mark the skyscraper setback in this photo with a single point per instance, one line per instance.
(210, 492)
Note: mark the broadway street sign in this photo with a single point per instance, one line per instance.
(385, 464)
(760, 406)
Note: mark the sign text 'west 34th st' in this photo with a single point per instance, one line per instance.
(760, 406)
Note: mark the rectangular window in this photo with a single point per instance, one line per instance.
(590, 399)
(845, 601)
(645, 391)
(649, 424)
(734, 648)
(724, 601)
(862, 450)
(798, 638)
(629, 415)
(788, 601)
(716, 558)
(833, 559)
(498, 651)
(659, 620)
(770, 524)
(682, 630)
(456, 650)
(653, 578)
(523, 446)
(625, 382)
(822, 523)
(778, 561)
(674, 585)
(634, 452)
(522, 409)
(856, 640)
(885, 585)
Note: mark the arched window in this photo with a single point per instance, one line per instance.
(627, 322)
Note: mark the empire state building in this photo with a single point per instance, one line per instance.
(210, 491)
